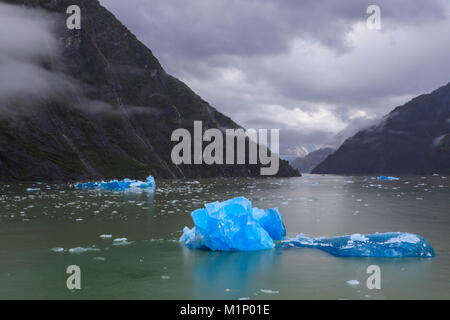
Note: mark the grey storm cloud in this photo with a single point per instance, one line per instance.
(202, 28)
(310, 68)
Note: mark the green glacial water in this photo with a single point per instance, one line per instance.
(151, 264)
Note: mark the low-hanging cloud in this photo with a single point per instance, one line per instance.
(29, 50)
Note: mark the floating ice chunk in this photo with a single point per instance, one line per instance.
(149, 183)
(104, 236)
(57, 249)
(99, 258)
(82, 250)
(33, 189)
(352, 282)
(392, 244)
(233, 225)
(121, 242)
(386, 178)
(269, 291)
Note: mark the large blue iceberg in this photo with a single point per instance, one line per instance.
(233, 225)
(125, 184)
(392, 244)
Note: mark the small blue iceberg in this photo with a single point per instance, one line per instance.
(125, 184)
(391, 245)
(234, 225)
(387, 178)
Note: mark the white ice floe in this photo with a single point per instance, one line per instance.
(269, 291)
(82, 250)
(352, 282)
(121, 242)
(99, 258)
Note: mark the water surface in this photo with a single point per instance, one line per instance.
(34, 218)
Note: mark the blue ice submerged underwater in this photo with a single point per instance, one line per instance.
(124, 184)
(234, 225)
(391, 244)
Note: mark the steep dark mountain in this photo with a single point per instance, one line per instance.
(311, 160)
(413, 138)
(118, 118)
(440, 156)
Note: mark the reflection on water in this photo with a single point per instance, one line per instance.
(34, 218)
(234, 272)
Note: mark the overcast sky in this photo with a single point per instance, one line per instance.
(309, 68)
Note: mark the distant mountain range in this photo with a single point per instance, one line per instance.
(412, 139)
(311, 160)
(117, 120)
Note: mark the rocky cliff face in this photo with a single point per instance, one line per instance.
(311, 160)
(440, 155)
(116, 116)
(413, 138)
